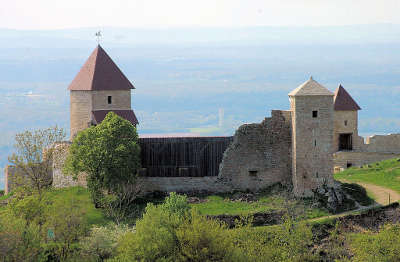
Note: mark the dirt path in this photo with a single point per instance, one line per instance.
(381, 194)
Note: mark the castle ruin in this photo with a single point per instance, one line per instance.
(302, 146)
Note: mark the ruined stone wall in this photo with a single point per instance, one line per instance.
(312, 143)
(121, 100)
(383, 143)
(260, 154)
(80, 111)
(343, 158)
(184, 184)
(15, 177)
(61, 180)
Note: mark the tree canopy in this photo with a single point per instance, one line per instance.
(108, 153)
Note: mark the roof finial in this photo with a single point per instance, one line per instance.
(98, 35)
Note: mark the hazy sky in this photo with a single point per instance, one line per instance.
(53, 14)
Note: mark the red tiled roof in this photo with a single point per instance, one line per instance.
(343, 101)
(100, 73)
(129, 115)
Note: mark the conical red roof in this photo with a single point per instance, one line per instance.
(343, 101)
(100, 73)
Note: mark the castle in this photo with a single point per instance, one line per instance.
(302, 146)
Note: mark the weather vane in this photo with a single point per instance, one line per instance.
(98, 35)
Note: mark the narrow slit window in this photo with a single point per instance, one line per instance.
(252, 172)
(315, 114)
(109, 99)
(316, 174)
(315, 142)
(345, 122)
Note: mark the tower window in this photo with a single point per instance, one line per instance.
(345, 122)
(314, 114)
(315, 142)
(109, 99)
(316, 175)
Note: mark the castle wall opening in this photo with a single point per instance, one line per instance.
(345, 142)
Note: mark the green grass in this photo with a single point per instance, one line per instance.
(94, 216)
(266, 202)
(217, 205)
(4, 197)
(385, 173)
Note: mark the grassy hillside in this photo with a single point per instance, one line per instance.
(81, 195)
(385, 173)
(94, 216)
(275, 198)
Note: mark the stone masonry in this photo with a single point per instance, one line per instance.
(260, 154)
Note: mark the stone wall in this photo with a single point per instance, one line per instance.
(120, 100)
(383, 143)
(59, 178)
(184, 184)
(312, 143)
(81, 108)
(11, 177)
(15, 177)
(342, 159)
(260, 154)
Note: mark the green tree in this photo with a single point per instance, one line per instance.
(34, 155)
(109, 154)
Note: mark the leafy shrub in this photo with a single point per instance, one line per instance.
(34, 228)
(65, 225)
(202, 239)
(19, 241)
(155, 238)
(287, 242)
(102, 241)
(170, 232)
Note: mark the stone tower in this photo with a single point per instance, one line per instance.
(345, 135)
(312, 135)
(98, 88)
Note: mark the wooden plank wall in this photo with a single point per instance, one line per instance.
(182, 156)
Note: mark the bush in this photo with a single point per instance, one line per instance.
(287, 242)
(169, 232)
(65, 225)
(202, 239)
(34, 228)
(102, 241)
(19, 241)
